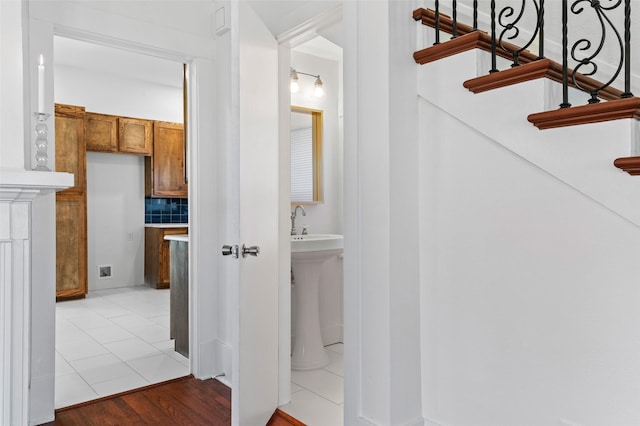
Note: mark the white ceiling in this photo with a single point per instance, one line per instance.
(281, 16)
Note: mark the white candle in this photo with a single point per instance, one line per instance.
(41, 85)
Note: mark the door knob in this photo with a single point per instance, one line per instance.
(250, 251)
(230, 251)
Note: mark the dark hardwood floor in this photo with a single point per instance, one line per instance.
(183, 401)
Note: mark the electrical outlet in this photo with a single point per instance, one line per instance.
(104, 271)
(130, 236)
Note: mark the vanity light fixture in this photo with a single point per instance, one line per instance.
(293, 81)
(294, 86)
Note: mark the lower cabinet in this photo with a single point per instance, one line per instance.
(156, 255)
(71, 245)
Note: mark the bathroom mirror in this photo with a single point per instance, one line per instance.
(306, 155)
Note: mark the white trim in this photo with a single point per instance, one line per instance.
(309, 30)
(25, 182)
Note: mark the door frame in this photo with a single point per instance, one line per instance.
(193, 160)
(45, 22)
(286, 42)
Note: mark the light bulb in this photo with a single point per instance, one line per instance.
(293, 81)
(319, 90)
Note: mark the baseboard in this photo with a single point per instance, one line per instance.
(222, 356)
(429, 422)
(42, 420)
(361, 421)
(332, 334)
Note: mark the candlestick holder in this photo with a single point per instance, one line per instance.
(41, 141)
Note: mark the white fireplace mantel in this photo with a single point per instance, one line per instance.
(26, 180)
(18, 188)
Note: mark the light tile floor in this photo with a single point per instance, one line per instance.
(112, 341)
(118, 339)
(317, 396)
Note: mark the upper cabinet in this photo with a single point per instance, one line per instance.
(111, 133)
(135, 135)
(165, 171)
(70, 145)
(102, 132)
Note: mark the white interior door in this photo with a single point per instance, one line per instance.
(255, 326)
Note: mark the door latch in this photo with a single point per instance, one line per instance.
(230, 251)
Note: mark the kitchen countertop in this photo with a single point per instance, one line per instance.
(177, 237)
(166, 225)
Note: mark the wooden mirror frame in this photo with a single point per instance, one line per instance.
(317, 124)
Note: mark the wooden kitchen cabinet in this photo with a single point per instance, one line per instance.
(156, 255)
(112, 133)
(101, 132)
(71, 204)
(165, 172)
(71, 245)
(135, 135)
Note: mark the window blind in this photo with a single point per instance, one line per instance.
(302, 164)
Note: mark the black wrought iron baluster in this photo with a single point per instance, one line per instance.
(627, 50)
(437, 26)
(565, 55)
(509, 21)
(586, 63)
(475, 15)
(455, 19)
(494, 65)
(541, 30)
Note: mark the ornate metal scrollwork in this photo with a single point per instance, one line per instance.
(582, 51)
(509, 20)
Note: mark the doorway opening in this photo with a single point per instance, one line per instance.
(117, 337)
(317, 395)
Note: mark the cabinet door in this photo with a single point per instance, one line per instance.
(71, 245)
(134, 136)
(70, 145)
(168, 174)
(101, 132)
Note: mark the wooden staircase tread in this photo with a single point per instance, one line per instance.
(515, 75)
(630, 165)
(450, 48)
(280, 418)
(585, 114)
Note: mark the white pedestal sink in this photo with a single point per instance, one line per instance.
(308, 254)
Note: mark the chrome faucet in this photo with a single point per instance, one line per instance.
(293, 217)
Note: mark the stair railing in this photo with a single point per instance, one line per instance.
(506, 26)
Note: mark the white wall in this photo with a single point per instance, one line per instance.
(326, 217)
(115, 182)
(115, 218)
(12, 103)
(529, 296)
